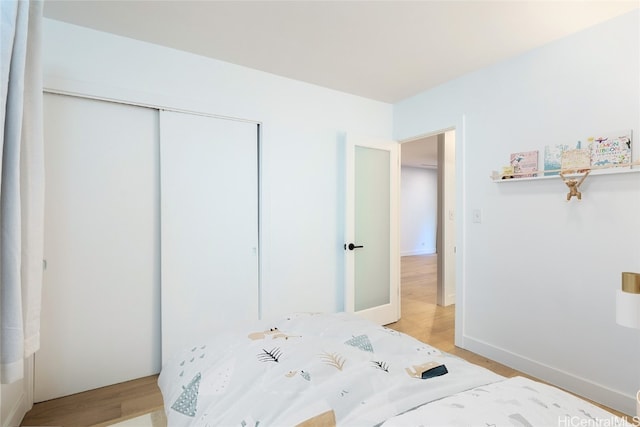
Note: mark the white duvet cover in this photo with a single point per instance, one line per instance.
(515, 401)
(328, 368)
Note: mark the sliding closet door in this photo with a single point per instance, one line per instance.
(209, 193)
(100, 297)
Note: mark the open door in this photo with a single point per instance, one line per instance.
(371, 230)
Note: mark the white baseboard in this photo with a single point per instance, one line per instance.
(429, 251)
(17, 412)
(449, 299)
(18, 397)
(580, 386)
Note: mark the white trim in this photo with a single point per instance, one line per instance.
(461, 232)
(98, 92)
(144, 105)
(29, 381)
(460, 225)
(428, 251)
(581, 386)
(427, 134)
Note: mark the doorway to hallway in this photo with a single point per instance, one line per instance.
(427, 205)
(422, 317)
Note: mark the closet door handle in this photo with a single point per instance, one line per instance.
(352, 246)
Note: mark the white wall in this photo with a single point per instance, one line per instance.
(537, 278)
(301, 124)
(418, 210)
(302, 127)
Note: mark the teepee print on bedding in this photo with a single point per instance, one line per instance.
(362, 342)
(187, 402)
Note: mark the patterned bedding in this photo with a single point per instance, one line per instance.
(515, 401)
(323, 368)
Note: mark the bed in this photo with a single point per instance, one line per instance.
(311, 369)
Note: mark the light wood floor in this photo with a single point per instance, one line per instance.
(100, 407)
(421, 318)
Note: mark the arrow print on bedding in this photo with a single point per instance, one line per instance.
(273, 355)
(383, 366)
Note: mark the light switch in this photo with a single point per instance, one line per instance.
(477, 216)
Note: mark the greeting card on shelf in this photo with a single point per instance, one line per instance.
(525, 163)
(611, 149)
(576, 161)
(553, 158)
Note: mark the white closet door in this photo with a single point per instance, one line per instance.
(209, 188)
(101, 302)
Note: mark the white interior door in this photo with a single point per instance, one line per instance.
(100, 296)
(371, 244)
(209, 188)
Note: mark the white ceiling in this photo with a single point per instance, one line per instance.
(383, 50)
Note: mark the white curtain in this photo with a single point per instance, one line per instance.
(21, 185)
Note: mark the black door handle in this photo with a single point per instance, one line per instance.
(352, 246)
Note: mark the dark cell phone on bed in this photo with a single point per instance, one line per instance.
(427, 370)
(436, 371)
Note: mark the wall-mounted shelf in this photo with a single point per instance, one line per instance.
(594, 170)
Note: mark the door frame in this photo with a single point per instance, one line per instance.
(456, 258)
